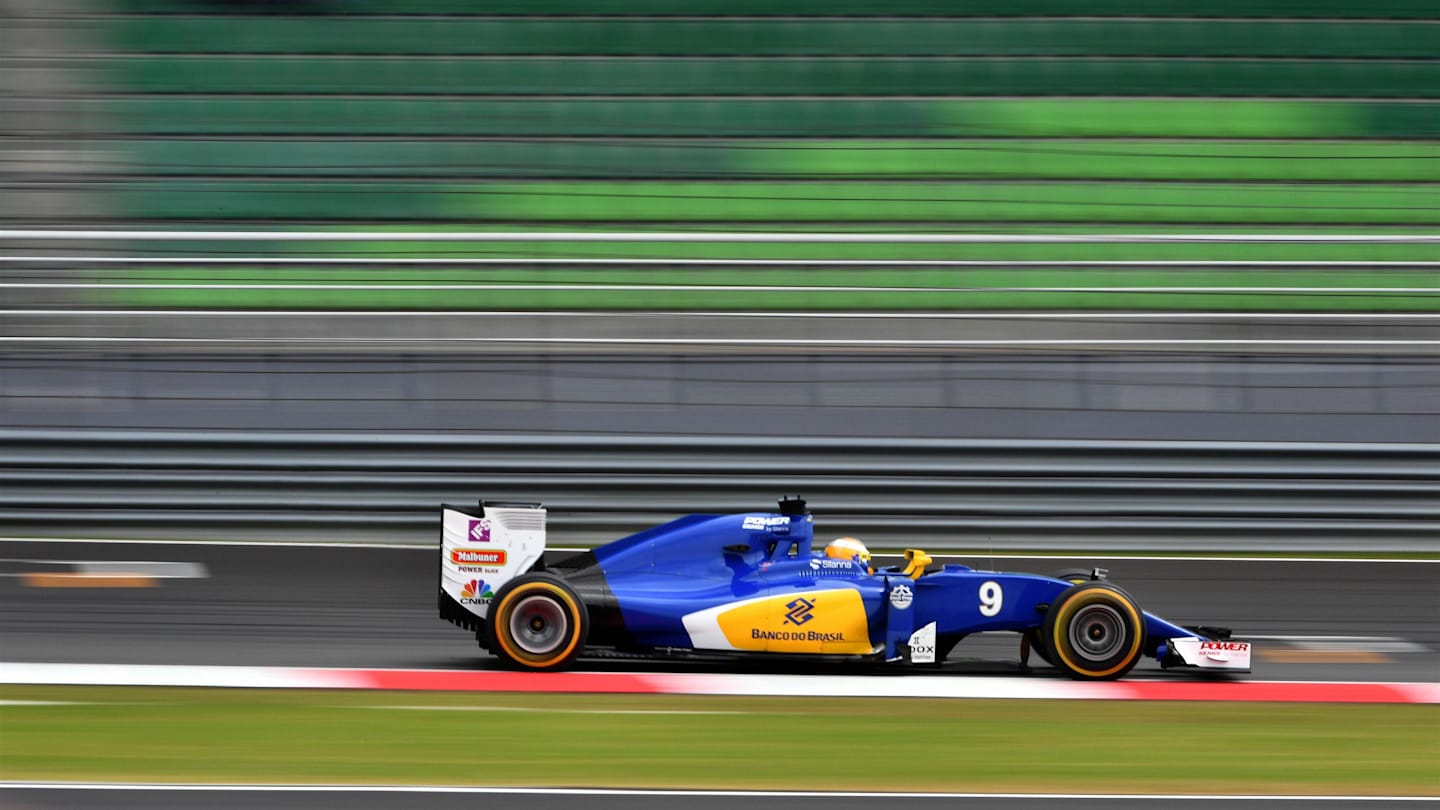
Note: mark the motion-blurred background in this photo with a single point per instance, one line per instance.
(1133, 274)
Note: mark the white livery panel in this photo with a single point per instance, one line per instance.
(1206, 654)
(481, 553)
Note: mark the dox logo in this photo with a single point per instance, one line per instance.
(480, 530)
(799, 611)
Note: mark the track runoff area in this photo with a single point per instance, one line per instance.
(245, 571)
(400, 680)
(746, 684)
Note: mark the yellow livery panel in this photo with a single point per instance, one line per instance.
(825, 621)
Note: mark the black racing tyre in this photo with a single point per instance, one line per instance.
(537, 622)
(1074, 576)
(1094, 631)
(1037, 645)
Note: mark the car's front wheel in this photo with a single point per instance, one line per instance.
(537, 622)
(1094, 631)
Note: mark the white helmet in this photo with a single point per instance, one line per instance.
(847, 548)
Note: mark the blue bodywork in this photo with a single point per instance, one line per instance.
(658, 577)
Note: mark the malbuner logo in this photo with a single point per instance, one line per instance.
(478, 556)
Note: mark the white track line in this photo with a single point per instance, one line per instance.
(942, 553)
(789, 342)
(218, 677)
(603, 287)
(540, 710)
(1375, 644)
(1118, 316)
(121, 568)
(280, 543)
(690, 262)
(701, 236)
(641, 793)
(1080, 555)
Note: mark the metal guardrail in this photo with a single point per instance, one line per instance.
(947, 494)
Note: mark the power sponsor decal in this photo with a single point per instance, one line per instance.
(1222, 650)
(476, 592)
(1207, 654)
(823, 621)
(479, 531)
(774, 525)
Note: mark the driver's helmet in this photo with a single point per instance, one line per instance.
(847, 548)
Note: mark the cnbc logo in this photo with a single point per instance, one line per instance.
(476, 592)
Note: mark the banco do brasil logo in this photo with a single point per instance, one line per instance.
(799, 611)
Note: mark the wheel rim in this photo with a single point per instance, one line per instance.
(1097, 632)
(538, 625)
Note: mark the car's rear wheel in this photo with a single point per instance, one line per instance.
(537, 622)
(1094, 631)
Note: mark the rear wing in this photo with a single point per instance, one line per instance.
(480, 550)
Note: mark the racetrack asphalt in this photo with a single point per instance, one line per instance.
(362, 799)
(305, 606)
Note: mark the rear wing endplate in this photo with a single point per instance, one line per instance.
(482, 549)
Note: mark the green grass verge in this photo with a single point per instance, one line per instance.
(199, 735)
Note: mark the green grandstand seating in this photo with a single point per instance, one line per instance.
(762, 118)
(790, 202)
(850, 114)
(830, 37)
(789, 77)
(1322, 9)
(1014, 158)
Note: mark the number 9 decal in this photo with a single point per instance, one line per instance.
(991, 598)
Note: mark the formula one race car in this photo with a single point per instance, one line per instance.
(750, 583)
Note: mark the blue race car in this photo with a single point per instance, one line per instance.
(753, 583)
